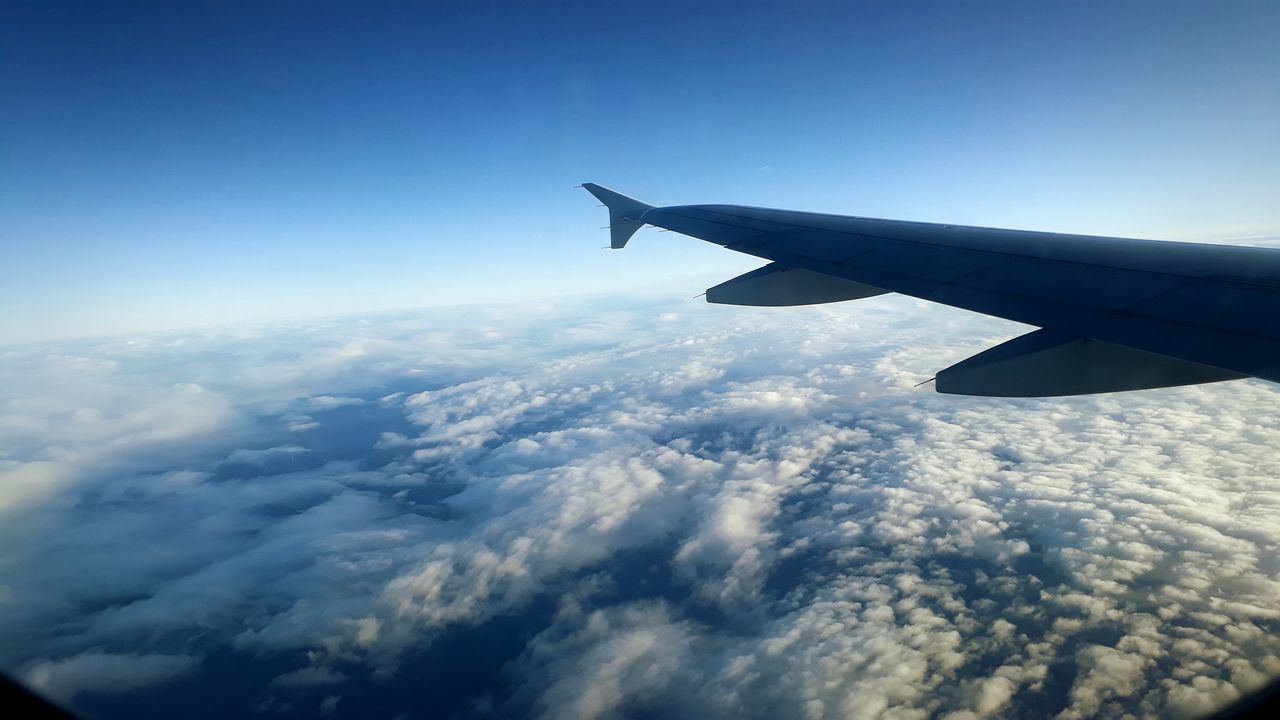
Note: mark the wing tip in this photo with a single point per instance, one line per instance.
(625, 213)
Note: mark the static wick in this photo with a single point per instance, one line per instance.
(701, 294)
(926, 382)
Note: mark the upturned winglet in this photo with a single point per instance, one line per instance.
(624, 214)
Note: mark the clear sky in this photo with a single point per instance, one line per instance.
(173, 164)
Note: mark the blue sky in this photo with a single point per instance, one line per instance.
(171, 165)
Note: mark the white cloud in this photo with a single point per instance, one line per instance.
(611, 662)
(329, 402)
(830, 541)
(99, 672)
(258, 457)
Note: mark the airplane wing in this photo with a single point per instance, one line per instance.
(1115, 314)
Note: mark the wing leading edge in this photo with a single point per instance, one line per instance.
(1117, 314)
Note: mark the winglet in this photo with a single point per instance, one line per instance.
(624, 214)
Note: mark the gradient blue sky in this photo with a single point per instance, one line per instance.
(174, 164)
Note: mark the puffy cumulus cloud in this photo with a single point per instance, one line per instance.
(100, 672)
(624, 660)
(732, 512)
(64, 432)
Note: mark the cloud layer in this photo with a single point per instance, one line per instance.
(678, 508)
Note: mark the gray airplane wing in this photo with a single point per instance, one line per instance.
(1115, 314)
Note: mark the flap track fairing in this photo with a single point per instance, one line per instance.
(776, 285)
(1045, 363)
